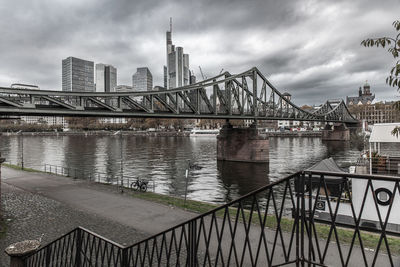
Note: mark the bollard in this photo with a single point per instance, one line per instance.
(18, 252)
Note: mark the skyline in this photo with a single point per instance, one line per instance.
(315, 52)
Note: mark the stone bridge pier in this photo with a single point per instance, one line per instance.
(242, 144)
(336, 132)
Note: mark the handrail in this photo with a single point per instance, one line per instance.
(100, 177)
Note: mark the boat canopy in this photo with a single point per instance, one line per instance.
(382, 133)
(326, 165)
(334, 184)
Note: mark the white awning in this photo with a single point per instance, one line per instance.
(382, 133)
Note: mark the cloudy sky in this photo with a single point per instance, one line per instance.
(308, 48)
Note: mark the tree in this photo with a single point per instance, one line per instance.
(393, 44)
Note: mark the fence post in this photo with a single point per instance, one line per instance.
(48, 256)
(124, 259)
(19, 251)
(78, 247)
(300, 218)
(297, 210)
(192, 249)
(303, 216)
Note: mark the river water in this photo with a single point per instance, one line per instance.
(164, 160)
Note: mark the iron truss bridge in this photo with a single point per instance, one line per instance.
(248, 95)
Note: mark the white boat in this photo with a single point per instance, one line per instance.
(201, 132)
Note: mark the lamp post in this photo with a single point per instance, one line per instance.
(22, 148)
(186, 182)
(1, 161)
(122, 160)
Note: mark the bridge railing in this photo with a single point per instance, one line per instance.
(317, 218)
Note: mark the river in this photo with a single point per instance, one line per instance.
(164, 160)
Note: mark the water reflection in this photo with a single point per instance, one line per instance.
(165, 159)
(240, 178)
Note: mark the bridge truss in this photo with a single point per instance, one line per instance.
(248, 95)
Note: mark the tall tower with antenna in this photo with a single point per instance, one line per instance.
(176, 71)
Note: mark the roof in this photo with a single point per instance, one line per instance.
(382, 133)
(326, 165)
(364, 99)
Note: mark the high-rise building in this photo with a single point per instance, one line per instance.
(106, 78)
(142, 80)
(192, 78)
(177, 69)
(77, 75)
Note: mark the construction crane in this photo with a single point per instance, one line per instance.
(202, 75)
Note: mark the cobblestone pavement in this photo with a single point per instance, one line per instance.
(29, 216)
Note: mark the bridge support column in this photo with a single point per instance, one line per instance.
(336, 132)
(242, 144)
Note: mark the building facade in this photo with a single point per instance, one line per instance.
(176, 72)
(48, 120)
(106, 78)
(77, 75)
(142, 80)
(123, 88)
(381, 112)
(113, 120)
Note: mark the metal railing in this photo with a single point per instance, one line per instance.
(99, 177)
(383, 165)
(283, 223)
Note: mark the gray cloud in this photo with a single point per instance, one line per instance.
(308, 48)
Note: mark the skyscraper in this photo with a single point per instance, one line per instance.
(106, 78)
(177, 69)
(77, 75)
(142, 80)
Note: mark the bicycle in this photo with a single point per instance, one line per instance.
(139, 185)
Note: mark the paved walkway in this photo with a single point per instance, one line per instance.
(102, 200)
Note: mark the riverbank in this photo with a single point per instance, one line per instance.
(317, 134)
(307, 134)
(102, 133)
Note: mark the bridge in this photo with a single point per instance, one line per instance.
(248, 96)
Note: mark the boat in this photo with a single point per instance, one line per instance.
(202, 132)
(351, 198)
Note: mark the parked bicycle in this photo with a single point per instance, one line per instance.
(140, 185)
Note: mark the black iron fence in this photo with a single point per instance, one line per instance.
(312, 218)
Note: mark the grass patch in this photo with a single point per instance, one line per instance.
(369, 240)
(191, 205)
(17, 167)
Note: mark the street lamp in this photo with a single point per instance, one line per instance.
(22, 148)
(122, 163)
